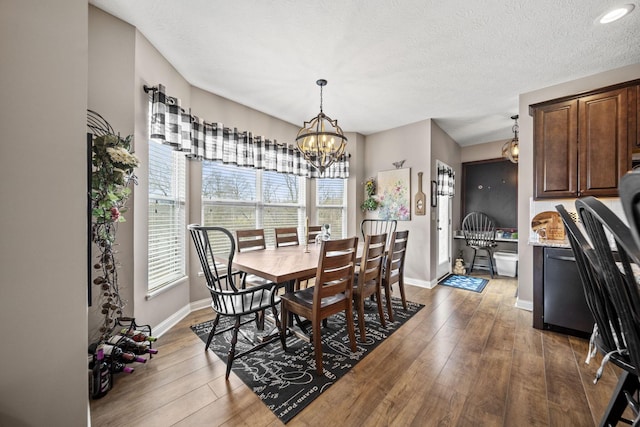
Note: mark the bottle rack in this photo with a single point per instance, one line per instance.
(130, 324)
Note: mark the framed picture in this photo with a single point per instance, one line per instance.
(394, 194)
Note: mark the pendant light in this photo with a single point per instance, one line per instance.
(511, 149)
(321, 141)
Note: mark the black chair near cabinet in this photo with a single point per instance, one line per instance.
(227, 299)
(480, 235)
(617, 262)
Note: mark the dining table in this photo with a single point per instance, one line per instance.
(284, 265)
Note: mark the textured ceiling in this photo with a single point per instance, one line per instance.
(388, 62)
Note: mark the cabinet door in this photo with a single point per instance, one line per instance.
(603, 143)
(556, 150)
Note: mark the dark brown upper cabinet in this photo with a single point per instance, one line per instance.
(583, 143)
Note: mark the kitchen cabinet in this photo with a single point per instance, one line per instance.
(582, 144)
(634, 119)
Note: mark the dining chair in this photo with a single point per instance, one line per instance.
(314, 230)
(618, 259)
(286, 236)
(378, 226)
(251, 240)
(331, 294)
(394, 268)
(480, 235)
(227, 299)
(606, 334)
(368, 278)
(630, 199)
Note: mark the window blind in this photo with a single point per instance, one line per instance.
(331, 205)
(167, 196)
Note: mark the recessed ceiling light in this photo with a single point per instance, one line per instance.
(615, 14)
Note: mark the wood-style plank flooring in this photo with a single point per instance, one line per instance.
(466, 359)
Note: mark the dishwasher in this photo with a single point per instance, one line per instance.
(565, 305)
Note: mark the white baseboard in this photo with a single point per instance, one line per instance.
(524, 304)
(420, 283)
(171, 321)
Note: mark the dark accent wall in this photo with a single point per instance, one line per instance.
(491, 186)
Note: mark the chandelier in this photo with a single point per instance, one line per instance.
(321, 141)
(511, 149)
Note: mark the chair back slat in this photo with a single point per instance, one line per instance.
(286, 236)
(372, 259)
(250, 240)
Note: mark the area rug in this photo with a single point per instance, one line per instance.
(469, 283)
(286, 382)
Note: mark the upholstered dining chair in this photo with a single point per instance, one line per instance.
(331, 294)
(393, 271)
(368, 278)
(286, 236)
(480, 235)
(227, 299)
(618, 260)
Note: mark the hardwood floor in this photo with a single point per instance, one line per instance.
(466, 359)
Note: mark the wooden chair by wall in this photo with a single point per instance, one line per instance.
(394, 268)
(286, 236)
(331, 294)
(368, 280)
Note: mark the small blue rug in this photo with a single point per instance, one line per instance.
(469, 283)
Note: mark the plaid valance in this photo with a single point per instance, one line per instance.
(172, 125)
(446, 181)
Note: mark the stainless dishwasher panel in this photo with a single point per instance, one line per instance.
(564, 301)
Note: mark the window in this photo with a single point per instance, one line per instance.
(166, 215)
(331, 204)
(236, 198)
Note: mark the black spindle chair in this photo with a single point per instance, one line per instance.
(216, 248)
(617, 261)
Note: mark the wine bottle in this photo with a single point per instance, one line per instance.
(128, 344)
(101, 376)
(137, 336)
(120, 367)
(115, 353)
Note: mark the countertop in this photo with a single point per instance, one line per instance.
(550, 243)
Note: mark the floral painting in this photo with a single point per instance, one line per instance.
(394, 194)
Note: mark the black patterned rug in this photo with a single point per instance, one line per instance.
(286, 382)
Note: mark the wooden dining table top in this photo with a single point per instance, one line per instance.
(282, 264)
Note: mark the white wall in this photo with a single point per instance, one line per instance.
(43, 255)
(411, 143)
(448, 151)
(526, 167)
(111, 67)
